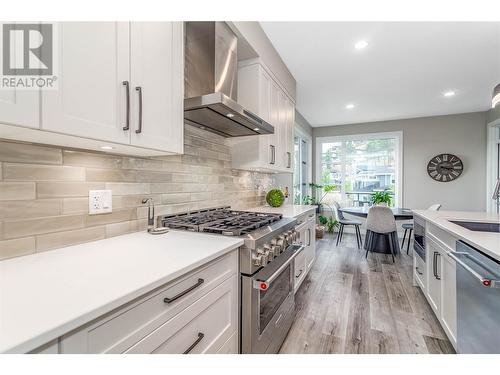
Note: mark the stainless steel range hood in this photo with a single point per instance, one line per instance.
(210, 83)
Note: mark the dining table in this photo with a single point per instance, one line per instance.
(399, 213)
(381, 246)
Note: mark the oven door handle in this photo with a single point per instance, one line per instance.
(264, 284)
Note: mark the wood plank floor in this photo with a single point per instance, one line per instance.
(348, 304)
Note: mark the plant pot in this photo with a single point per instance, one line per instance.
(320, 231)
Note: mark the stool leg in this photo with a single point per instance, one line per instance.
(408, 245)
(339, 233)
(391, 246)
(358, 237)
(404, 237)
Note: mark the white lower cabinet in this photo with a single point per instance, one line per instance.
(433, 253)
(203, 327)
(198, 311)
(307, 236)
(449, 297)
(310, 250)
(437, 279)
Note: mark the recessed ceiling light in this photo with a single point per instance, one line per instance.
(349, 106)
(448, 94)
(361, 44)
(230, 115)
(256, 129)
(107, 147)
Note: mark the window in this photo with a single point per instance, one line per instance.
(360, 165)
(302, 167)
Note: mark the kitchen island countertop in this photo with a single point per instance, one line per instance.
(487, 242)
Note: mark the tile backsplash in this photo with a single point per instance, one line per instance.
(44, 190)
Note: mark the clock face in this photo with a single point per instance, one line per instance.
(445, 167)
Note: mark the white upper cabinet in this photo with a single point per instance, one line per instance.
(260, 93)
(91, 99)
(156, 68)
(120, 84)
(19, 107)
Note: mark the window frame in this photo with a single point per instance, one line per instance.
(398, 135)
(303, 136)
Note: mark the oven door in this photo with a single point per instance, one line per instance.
(268, 305)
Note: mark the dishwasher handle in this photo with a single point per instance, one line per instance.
(485, 281)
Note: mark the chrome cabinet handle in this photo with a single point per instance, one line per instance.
(485, 281)
(139, 91)
(300, 273)
(273, 154)
(289, 160)
(308, 236)
(417, 269)
(183, 293)
(127, 105)
(436, 275)
(193, 345)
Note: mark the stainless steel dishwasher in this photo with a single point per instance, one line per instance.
(478, 301)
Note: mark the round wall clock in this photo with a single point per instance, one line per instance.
(445, 167)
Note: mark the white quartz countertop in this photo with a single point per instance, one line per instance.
(45, 295)
(487, 242)
(287, 210)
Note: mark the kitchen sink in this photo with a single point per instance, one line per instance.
(478, 226)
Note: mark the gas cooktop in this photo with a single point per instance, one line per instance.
(221, 220)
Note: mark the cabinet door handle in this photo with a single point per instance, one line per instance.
(418, 271)
(437, 275)
(434, 265)
(200, 337)
(298, 275)
(273, 154)
(289, 159)
(308, 236)
(139, 91)
(127, 105)
(183, 293)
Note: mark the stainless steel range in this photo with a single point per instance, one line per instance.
(266, 268)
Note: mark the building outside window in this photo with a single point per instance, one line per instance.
(360, 165)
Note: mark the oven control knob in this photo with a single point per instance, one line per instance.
(269, 252)
(258, 260)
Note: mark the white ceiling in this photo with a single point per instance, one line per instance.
(402, 73)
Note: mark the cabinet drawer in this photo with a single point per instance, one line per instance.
(231, 345)
(204, 327)
(441, 236)
(420, 271)
(129, 324)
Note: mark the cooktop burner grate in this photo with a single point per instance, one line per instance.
(221, 221)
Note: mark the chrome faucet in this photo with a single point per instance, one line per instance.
(151, 217)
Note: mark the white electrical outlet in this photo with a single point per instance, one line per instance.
(100, 202)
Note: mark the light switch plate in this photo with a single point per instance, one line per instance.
(100, 202)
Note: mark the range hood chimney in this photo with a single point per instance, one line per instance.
(211, 82)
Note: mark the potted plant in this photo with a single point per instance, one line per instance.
(317, 198)
(381, 197)
(329, 222)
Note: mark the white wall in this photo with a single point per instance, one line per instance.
(463, 135)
